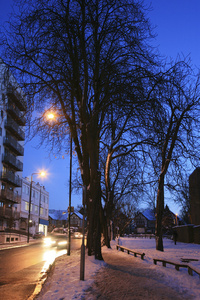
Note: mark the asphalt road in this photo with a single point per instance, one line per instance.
(21, 268)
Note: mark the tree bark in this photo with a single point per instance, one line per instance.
(159, 214)
(94, 224)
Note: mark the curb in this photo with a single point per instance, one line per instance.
(17, 245)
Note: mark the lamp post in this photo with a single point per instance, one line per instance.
(70, 192)
(51, 116)
(176, 219)
(82, 261)
(29, 208)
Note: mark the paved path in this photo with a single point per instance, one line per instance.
(120, 280)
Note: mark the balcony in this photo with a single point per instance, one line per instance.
(16, 114)
(10, 195)
(5, 212)
(8, 213)
(16, 97)
(13, 127)
(10, 177)
(12, 161)
(13, 145)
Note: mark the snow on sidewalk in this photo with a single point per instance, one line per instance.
(124, 276)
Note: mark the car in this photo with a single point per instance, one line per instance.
(38, 235)
(78, 235)
(56, 240)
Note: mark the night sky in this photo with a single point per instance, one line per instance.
(178, 31)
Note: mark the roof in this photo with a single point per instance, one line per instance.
(149, 214)
(58, 214)
(62, 215)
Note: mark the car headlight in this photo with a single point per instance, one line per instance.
(47, 242)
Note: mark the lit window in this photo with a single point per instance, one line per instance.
(26, 206)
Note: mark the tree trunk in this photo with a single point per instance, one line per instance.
(94, 224)
(104, 224)
(159, 214)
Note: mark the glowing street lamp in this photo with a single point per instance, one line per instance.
(42, 174)
(50, 116)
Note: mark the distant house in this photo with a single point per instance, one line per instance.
(145, 221)
(76, 219)
(59, 218)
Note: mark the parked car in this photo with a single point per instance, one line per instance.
(38, 235)
(56, 240)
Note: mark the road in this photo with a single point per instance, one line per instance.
(20, 268)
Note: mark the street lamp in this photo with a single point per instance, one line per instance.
(42, 173)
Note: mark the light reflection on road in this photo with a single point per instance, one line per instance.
(50, 256)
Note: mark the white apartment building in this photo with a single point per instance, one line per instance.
(39, 210)
(12, 136)
(15, 190)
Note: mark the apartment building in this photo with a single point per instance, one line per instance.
(39, 209)
(12, 136)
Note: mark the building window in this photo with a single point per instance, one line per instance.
(26, 206)
(0, 131)
(1, 204)
(41, 210)
(33, 193)
(24, 189)
(36, 209)
(27, 190)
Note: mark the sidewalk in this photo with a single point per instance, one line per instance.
(17, 244)
(121, 280)
(122, 276)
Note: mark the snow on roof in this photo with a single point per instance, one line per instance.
(149, 214)
(78, 214)
(62, 214)
(58, 214)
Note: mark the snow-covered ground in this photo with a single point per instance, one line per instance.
(64, 282)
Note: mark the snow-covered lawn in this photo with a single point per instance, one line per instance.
(65, 282)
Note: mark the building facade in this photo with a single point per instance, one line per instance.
(145, 221)
(12, 136)
(194, 189)
(39, 209)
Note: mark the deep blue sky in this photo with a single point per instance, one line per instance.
(178, 31)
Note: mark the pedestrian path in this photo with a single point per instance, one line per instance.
(121, 280)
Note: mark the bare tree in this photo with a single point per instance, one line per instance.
(176, 128)
(81, 58)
